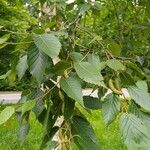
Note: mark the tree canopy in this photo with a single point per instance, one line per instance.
(62, 47)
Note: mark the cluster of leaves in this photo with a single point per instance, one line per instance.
(71, 48)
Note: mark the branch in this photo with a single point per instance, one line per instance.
(12, 32)
(17, 43)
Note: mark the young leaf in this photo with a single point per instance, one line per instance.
(110, 107)
(115, 64)
(22, 66)
(23, 131)
(6, 114)
(37, 61)
(133, 131)
(88, 72)
(47, 43)
(27, 106)
(115, 48)
(4, 38)
(92, 102)
(72, 87)
(140, 95)
(84, 134)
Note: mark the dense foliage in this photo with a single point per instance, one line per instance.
(63, 47)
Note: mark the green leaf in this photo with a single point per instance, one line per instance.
(27, 106)
(84, 8)
(126, 79)
(22, 66)
(114, 48)
(37, 62)
(6, 114)
(140, 95)
(69, 105)
(23, 132)
(75, 56)
(61, 66)
(144, 117)
(93, 59)
(47, 43)
(88, 72)
(115, 64)
(84, 135)
(91, 102)
(72, 87)
(133, 131)
(110, 107)
(4, 38)
(134, 67)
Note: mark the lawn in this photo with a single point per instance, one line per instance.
(109, 137)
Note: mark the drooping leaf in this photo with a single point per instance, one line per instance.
(39, 107)
(140, 95)
(133, 131)
(48, 43)
(88, 72)
(22, 66)
(6, 114)
(72, 87)
(134, 67)
(110, 107)
(84, 135)
(4, 38)
(115, 64)
(69, 105)
(92, 102)
(37, 62)
(23, 132)
(27, 106)
(126, 79)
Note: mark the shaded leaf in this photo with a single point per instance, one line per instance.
(110, 107)
(92, 102)
(23, 132)
(61, 66)
(84, 135)
(69, 105)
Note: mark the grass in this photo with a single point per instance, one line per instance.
(109, 137)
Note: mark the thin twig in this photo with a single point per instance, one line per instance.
(12, 32)
(18, 43)
(48, 91)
